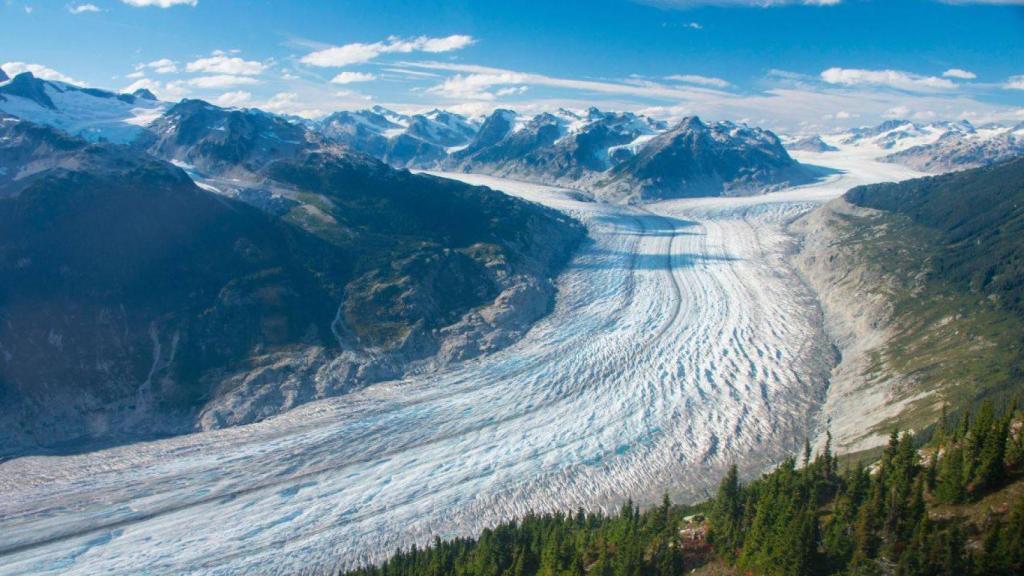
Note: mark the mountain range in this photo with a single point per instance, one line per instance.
(620, 156)
(933, 147)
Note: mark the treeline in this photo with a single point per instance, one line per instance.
(797, 520)
(628, 543)
(816, 520)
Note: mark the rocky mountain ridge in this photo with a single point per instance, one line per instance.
(158, 306)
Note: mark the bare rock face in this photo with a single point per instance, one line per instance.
(836, 270)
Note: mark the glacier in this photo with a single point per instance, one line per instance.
(681, 341)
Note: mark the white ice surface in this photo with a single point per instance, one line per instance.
(680, 342)
(85, 115)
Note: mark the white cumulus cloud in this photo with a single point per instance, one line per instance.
(162, 66)
(12, 69)
(351, 77)
(886, 78)
(1012, 83)
(357, 53)
(290, 103)
(220, 63)
(959, 73)
(233, 99)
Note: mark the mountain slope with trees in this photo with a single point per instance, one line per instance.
(922, 284)
(952, 504)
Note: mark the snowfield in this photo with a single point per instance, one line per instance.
(681, 342)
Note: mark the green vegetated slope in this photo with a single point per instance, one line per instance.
(950, 254)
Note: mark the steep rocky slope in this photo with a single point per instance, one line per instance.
(921, 284)
(137, 303)
(215, 140)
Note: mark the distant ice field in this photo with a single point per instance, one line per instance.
(681, 341)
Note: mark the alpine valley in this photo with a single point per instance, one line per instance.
(242, 336)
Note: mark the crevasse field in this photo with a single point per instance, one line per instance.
(681, 342)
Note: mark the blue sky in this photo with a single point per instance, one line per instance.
(793, 65)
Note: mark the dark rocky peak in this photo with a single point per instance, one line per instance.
(26, 85)
(216, 139)
(544, 119)
(496, 127)
(144, 94)
(3, 76)
(689, 124)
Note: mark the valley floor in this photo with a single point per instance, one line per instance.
(681, 341)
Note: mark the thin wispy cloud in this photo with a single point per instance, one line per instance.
(887, 78)
(683, 4)
(959, 73)
(474, 82)
(737, 3)
(160, 3)
(352, 77)
(414, 73)
(698, 79)
(222, 81)
(82, 8)
(358, 53)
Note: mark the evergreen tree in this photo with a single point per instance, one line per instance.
(951, 485)
(726, 515)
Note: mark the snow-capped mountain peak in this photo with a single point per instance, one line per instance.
(87, 112)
